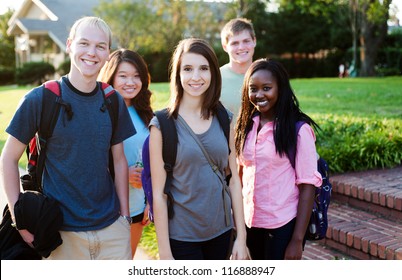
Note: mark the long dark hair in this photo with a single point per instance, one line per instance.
(287, 110)
(142, 101)
(212, 95)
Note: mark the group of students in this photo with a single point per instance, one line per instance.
(269, 201)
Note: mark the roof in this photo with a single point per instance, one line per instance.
(56, 18)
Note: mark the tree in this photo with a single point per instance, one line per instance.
(374, 17)
(306, 28)
(154, 27)
(7, 46)
(367, 24)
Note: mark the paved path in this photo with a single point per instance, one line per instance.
(141, 254)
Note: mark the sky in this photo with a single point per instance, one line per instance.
(15, 4)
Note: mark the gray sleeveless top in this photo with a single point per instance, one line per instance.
(197, 191)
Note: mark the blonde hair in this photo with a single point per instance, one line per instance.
(235, 26)
(91, 21)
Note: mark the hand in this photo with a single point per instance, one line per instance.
(294, 250)
(239, 251)
(145, 219)
(27, 237)
(134, 176)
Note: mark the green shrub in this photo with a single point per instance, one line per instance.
(6, 75)
(64, 67)
(34, 73)
(353, 144)
(384, 71)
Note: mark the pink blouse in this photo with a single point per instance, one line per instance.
(270, 192)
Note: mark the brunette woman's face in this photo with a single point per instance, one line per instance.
(127, 81)
(195, 74)
(263, 93)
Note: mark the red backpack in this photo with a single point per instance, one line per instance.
(51, 105)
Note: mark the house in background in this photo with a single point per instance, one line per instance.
(41, 28)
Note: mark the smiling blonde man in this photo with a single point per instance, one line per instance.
(76, 174)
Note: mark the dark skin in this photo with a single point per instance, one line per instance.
(294, 250)
(306, 199)
(263, 93)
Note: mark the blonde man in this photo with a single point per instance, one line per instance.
(76, 174)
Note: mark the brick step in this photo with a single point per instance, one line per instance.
(317, 250)
(363, 235)
(376, 191)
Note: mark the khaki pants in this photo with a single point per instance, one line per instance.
(110, 243)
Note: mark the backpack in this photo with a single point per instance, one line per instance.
(51, 105)
(318, 223)
(169, 152)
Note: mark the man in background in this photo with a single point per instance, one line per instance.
(239, 41)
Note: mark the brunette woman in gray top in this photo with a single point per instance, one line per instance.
(199, 228)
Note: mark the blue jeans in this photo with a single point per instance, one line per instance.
(269, 244)
(214, 249)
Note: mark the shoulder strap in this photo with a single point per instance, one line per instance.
(50, 108)
(223, 118)
(214, 167)
(224, 121)
(51, 97)
(169, 151)
(111, 104)
(292, 151)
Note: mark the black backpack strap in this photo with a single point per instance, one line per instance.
(223, 118)
(111, 104)
(224, 121)
(169, 151)
(51, 104)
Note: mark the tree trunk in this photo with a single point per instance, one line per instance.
(354, 25)
(371, 37)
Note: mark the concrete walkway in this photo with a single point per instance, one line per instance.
(141, 254)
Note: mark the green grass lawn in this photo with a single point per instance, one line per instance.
(9, 99)
(322, 98)
(360, 97)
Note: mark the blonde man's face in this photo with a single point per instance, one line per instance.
(89, 51)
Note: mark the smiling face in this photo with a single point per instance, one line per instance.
(263, 93)
(195, 74)
(127, 81)
(240, 47)
(88, 50)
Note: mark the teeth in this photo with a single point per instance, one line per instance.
(196, 86)
(262, 103)
(89, 62)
